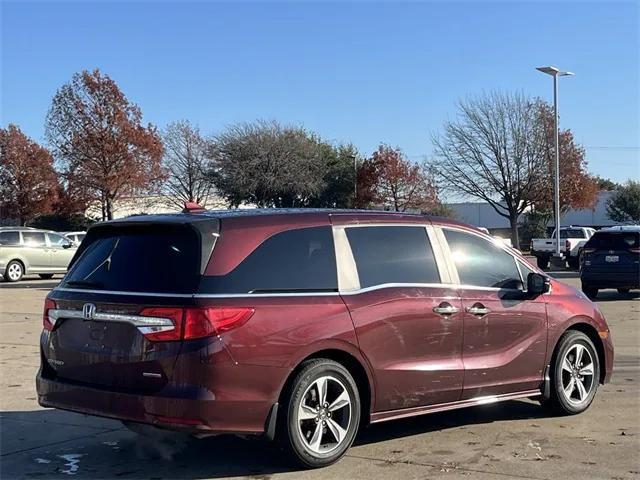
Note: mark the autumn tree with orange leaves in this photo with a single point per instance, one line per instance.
(28, 182)
(97, 135)
(389, 180)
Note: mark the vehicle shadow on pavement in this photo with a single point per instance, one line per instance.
(90, 447)
(614, 296)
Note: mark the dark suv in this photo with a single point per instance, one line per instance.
(611, 259)
(304, 325)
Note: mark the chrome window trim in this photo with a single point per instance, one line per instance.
(401, 285)
(135, 320)
(266, 295)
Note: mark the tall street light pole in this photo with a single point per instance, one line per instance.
(555, 73)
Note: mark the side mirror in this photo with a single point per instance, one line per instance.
(67, 245)
(537, 284)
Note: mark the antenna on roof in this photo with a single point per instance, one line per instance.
(193, 207)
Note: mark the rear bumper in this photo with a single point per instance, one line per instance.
(613, 279)
(201, 414)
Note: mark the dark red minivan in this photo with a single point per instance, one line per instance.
(303, 325)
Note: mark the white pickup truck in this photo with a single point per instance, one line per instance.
(572, 239)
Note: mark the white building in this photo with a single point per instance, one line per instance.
(481, 214)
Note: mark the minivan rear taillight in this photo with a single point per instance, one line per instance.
(47, 324)
(191, 323)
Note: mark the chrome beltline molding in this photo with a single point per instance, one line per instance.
(451, 286)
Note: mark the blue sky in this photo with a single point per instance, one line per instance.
(361, 72)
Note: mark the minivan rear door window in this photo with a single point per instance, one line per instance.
(392, 254)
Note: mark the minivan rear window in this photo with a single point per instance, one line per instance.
(614, 240)
(154, 259)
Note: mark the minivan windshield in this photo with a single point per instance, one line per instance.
(157, 259)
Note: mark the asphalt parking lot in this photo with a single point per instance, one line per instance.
(508, 440)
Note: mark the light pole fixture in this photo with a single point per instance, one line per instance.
(555, 73)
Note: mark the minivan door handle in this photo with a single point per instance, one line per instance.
(478, 309)
(445, 309)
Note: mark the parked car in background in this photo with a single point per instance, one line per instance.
(611, 259)
(572, 239)
(75, 237)
(26, 250)
(302, 325)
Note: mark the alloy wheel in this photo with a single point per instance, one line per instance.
(577, 374)
(324, 415)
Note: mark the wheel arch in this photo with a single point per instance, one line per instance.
(356, 368)
(21, 261)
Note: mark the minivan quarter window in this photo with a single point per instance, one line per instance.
(299, 260)
(392, 254)
(10, 238)
(479, 262)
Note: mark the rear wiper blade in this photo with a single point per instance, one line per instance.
(83, 283)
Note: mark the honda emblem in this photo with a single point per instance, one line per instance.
(88, 311)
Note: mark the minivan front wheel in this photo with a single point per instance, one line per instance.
(14, 271)
(322, 413)
(575, 374)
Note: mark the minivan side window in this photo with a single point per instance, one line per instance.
(9, 238)
(392, 254)
(33, 239)
(480, 262)
(300, 260)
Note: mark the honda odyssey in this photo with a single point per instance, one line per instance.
(304, 325)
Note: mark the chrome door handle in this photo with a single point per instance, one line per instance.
(445, 309)
(478, 310)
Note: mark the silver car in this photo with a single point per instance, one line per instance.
(31, 251)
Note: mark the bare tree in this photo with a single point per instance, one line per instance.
(186, 163)
(495, 151)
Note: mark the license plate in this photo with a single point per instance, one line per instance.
(612, 258)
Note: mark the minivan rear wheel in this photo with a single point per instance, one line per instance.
(322, 413)
(14, 271)
(575, 373)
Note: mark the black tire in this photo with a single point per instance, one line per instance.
(46, 276)
(573, 262)
(624, 290)
(14, 271)
(573, 402)
(543, 262)
(303, 388)
(589, 291)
